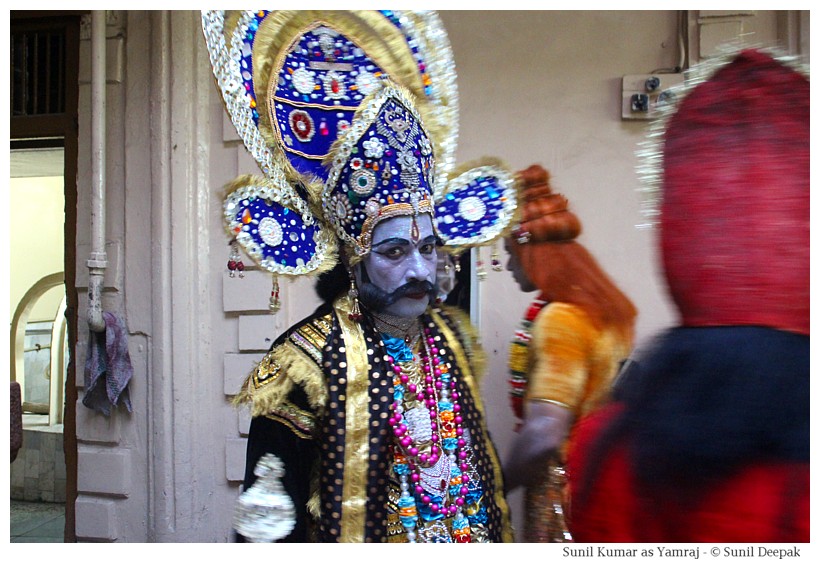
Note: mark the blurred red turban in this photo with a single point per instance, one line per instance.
(735, 212)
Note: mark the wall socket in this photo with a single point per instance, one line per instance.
(642, 93)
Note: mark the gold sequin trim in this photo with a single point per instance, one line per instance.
(324, 324)
(307, 346)
(300, 422)
(311, 339)
(266, 372)
(291, 363)
(395, 530)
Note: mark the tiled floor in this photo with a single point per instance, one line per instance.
(37, 522)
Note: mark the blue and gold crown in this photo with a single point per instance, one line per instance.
(295, 81)
(382, 167)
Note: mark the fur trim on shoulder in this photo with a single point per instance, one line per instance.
(270, 382)
(469, 336)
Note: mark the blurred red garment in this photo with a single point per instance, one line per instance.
(763, 503)
(708, 437)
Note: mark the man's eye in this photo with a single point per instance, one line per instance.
(427, 248)
(394, 252)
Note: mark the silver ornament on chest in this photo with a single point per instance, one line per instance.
(417, 420)
(436, 479)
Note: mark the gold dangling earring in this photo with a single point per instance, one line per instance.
(355, 314)
(275, 304)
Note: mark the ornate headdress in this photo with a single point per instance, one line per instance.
(293, 82)
(382, 167)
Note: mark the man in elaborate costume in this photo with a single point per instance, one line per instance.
(709, 438)
(565, 354)
(367, 417)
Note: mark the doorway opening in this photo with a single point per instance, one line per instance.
(42, 192)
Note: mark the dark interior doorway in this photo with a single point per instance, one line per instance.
(45, 53)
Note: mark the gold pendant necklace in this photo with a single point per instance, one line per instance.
(407, 328)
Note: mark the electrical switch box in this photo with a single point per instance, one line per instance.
(642, 94)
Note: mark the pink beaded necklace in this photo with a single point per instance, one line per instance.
(437, 395)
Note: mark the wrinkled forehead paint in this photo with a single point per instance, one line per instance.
(405, 228)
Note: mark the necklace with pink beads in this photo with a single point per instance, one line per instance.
(435, 392)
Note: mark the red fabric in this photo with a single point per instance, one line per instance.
(735, 213)
(16, 419)
(759, 505)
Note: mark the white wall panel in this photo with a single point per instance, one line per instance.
(236, 369)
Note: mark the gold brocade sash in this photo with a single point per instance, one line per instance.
(469, 379)
(356, 425)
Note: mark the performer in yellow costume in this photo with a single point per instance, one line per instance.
(565, 354)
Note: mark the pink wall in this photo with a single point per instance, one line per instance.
(534, 87)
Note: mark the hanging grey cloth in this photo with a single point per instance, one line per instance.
(16, 419)
(108, 367)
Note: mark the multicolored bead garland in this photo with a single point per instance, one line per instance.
(419, 446)
(518, 358)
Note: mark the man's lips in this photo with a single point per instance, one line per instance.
(416, 295)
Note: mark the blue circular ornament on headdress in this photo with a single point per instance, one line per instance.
(479, 206)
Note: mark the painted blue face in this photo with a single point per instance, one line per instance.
(403, 251)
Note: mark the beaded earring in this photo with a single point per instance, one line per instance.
(355, 314)
(275, 304)
(495, 261)
(235, 264)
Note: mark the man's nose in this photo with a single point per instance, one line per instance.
(419, 268)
